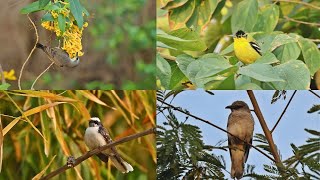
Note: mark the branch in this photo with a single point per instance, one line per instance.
(314, 93)
(34, 82)
(3, 80)
(302, 22)
(300, 2)
(165, 56)
(208, 122)
(34, 47)
(285, 109)
(265, 129)
(98, 150)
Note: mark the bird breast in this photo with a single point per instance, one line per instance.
(93, 139)
(241, 123)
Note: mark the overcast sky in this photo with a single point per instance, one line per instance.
(212, 108)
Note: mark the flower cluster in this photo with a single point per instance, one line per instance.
(71, 36)
(9, 75)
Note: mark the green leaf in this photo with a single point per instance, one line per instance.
(249, 86)
(245, 16)
(51, 7)
(182, 39)
(177, 76)
(47, 17)
(76, 10)
(282, 39)
(43, 3)
(267, 58)
(85, 11)
(4, 86)
(163, 71)
(33, 7)
(311, 55)
(178, 17)
(174, 4)
(227, 84)
(267, 19)
(62, 23)
(295, 73)
(261, 72)
(286, 52)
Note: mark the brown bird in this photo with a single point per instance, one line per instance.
(240, 124)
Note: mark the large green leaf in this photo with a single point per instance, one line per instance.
(177, 76)
(43, 3)
(163, 71)
(76, 10)
(267, 19)
(33, 7)
(267, 58)
(62, 23)
(295, 73)
(244, 16)
(282, 39)
(249, 86)
(174, 4)
(182, 39)
(178, 17)
(311, 55)
(261, 72)
(286, 52)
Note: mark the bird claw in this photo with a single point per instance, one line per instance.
(71, 161)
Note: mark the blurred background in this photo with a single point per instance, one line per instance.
(118, 46)
(53, 124)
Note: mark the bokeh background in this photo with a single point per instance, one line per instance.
(53, 124)
(119, 47)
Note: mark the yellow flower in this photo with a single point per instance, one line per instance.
(9, 75)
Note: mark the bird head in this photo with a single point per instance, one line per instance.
(94, 122)
(238, 105)
(240, 34)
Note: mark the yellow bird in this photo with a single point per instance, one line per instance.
(246, 50)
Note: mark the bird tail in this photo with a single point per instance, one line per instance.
(120, 164)
(237, 166)
(40, 46)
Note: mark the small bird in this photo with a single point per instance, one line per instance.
(246, 50)
(240, 124)
(59, 56)
(95, 136)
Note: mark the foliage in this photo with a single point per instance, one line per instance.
(193, 44)
(40, 126)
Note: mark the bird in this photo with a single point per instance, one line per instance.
(95, 136)
(246, 50)
(59, 56)
(241, 125)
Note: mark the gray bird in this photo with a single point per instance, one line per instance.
(95, 136)
(240, 124)
(59, 56)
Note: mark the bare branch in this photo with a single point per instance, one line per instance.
(34, 82)
(314, 93)
(300, 2)
(285, 109)
(265, 129)
(98, 150)
(3, 80)
(208, 122)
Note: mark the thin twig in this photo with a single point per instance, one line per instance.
(302, 22)
(98, 150)
(265, 129)
(314, 93)
(208, 122)
(165, 56)
(285, 109)
(34, 47)
(300, 2)
(3, 80)
(34, 82)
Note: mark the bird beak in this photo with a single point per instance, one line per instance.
(229, 107)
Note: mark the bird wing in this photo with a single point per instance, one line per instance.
(114, 153)
(103, 157)
(256, 47)
(247, 149)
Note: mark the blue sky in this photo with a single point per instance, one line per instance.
(289, 130)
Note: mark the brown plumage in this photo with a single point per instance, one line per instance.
(240, 124)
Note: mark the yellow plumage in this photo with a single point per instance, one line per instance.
(246, 51)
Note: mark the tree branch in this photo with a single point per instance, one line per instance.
(314, 93)
(285, 109)
(265, 129)
(208, 122)
(98, 150)
(300, 2)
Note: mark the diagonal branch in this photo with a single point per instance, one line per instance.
(98, 150)
(265, 129)
(285, 109)
(208, 122)
(314, 93)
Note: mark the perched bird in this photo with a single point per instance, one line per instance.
(240, 124)
(95, 136)
(246, 50)
(59, 56)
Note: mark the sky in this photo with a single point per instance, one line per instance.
(212, 108)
